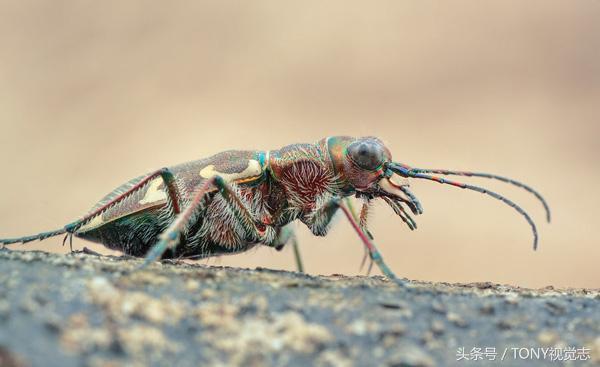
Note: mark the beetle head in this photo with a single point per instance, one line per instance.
(365, 167)
(362, 165)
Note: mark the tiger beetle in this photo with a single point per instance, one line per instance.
(236, 200)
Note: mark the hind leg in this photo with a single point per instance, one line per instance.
(170, 185)
(71, 228)
(25, 239)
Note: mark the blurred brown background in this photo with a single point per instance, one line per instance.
(95, 93)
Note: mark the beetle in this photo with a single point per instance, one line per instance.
(238, 199)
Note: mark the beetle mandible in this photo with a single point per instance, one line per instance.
(236, 200)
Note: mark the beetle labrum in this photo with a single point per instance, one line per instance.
(236, 200)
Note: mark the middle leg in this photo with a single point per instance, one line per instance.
(285, 235)
(214, 185)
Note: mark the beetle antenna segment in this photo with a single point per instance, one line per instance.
(415, 173)
(490, 176)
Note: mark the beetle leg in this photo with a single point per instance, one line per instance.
(286, 234)
(69, 236)
(170, 237)
(373, 252)
(170, 184)
(362, 220)
(319, 219)
(364, 212)
(297, 256)
(39, 236)
(71, 228)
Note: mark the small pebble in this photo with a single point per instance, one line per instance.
(457, 319)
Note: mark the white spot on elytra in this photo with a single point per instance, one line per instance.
(252, 170)
(96, 222)
(154, 194)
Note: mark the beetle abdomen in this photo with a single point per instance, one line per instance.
(132, 234)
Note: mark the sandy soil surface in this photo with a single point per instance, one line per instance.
(81, 309)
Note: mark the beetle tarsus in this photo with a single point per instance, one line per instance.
(40, 236)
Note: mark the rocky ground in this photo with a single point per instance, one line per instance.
(86, 310)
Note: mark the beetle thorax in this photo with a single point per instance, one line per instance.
(303, 174)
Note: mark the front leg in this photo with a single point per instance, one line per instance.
(319, 219)
(318, 222)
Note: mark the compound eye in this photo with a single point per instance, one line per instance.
(366, 154)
